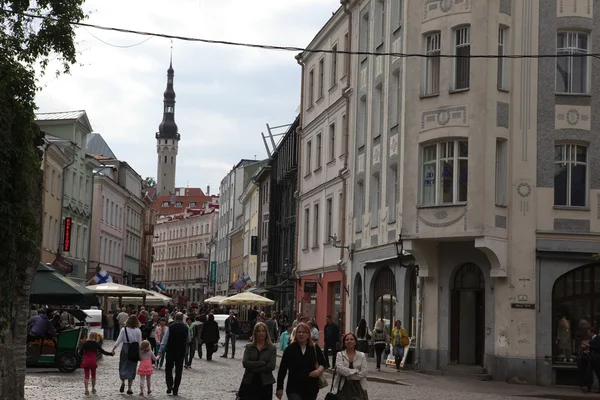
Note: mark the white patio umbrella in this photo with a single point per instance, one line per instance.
(152, 299)
(247, 298)
(215, 299)
(115, 289)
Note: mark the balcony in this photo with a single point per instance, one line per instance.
(202, 280)
(201, 256)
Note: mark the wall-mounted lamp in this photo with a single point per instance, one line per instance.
(336, 244)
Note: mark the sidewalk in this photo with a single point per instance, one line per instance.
(389, 375)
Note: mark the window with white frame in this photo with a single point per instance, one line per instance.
(431, 83)
(308, 157)
(502, 60)
(311, 88)
(378, 112)
(316, 226)
(572, 64)
(462, 61)
(365, 35)
(332, 141)
(501, 172)
(375, 200)
(321, 77)
(570, 175)
(445, 172)
(306, 227)
(395, 96)
(393, 193)
(360, 205)
(319, 151)
(380, 29)
(334, 64)
(329, 224)
(346, 55)
(362, 122)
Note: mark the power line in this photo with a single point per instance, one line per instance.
(294, 48)
(117, 45)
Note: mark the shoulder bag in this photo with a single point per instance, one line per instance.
(322, 380)
(331, 395)
(133, 350)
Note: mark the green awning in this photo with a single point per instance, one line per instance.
(50, 287)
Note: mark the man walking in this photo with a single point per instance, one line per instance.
(232, 328)
(332, 336)
(272, 328)
(175, 341)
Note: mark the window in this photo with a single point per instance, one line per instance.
(395, 94)
(431, 84)
(445, 172)
(53, 177)
(308, 157)
(502, 62)
(344, 130)
(393, 193)
(365, 35)
(334, 64)
(329, 226)
(572, 71)
(375, 200)
(347, 56)
(319, 148)
(332, 142)
(378, 106)
(360, 205)
(179, 204)
(362, 122)
(306, 227)
(462, 63)
(321, 77)
(311, 87)
(193, 204)
(570, 175)
(397, 10)
(316, 226)
(501, 172)
(380, 21)
(165, 204)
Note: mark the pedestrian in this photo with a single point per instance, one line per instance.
(210, 336)
(380, 341)
(351, 371)
(314, 331)
(147, 358)
(305, 362)
(363, 333)
(159, 332)
(259, 363)
(198, 324)
(191, 344)
(399, 342)
(116, 328)
(151, 325)
(232, 328)
(122, 318)
(131, 337)
(272, 327)
(88, 352)
(41, 327)
(285, 338)
(175, 341)
(332, 336)
(110, 326)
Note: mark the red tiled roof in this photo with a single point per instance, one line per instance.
(186, 202)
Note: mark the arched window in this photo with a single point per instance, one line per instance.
(358, 289)
(385, 297)
(575, 309)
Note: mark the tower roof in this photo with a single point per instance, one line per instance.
(168, 128)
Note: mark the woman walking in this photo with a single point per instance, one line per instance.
(351, 371)
(131, 337)
(151, 325)
(305, 362)
(259, 363)
(399, 342)
(380, 341)
(363, 334)
(210, 336)
(159, 331)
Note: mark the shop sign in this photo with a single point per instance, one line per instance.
(523, 306)
(67, 238)
(310, 287)
(213, 271)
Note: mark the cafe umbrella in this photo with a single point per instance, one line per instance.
(247, 298)
(50, 287)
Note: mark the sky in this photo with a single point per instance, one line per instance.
(225, 94)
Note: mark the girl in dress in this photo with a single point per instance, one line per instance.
(88, 351)
(145, 369)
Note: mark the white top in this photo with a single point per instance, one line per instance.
(134, 334)
(343, 371)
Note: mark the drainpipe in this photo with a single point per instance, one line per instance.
(344, 172)
(299, 185)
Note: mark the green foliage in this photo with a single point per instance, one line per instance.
(149, 182)
(596, 256)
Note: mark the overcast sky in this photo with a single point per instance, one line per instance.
(225, 95)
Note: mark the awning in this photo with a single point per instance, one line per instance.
(257, 290)
(50, 287)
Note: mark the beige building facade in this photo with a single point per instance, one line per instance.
(497, 192)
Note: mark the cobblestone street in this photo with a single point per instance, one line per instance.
(220, 378)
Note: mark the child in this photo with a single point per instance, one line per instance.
(147, 357)
(88, 351)
(158, 334)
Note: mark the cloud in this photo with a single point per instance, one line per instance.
(225, 94)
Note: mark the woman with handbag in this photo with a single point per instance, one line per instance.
(363, 334)
(399, 342)
(130, 337)
(305, 362)
(259, 363)
(380, 341)
(210, 336)
(350, 371)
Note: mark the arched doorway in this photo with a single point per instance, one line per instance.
(384, 294)
(468, 316)
(358, 295)
(575, 309)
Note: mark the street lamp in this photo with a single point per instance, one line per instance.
(349, 247)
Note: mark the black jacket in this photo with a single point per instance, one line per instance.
(232, 326)
(299, 366)
(210, 332)
(259, 362)
(332, 333)
(177, 341)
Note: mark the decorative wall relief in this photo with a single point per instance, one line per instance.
(378, 66)
(524, 189)
(376, 154)
(394, 145)
(396, 48)
(441, 218)
(573, 117)
(361, 163)
(444, 117)
(437, 8)
(363, 78)
(575, 8)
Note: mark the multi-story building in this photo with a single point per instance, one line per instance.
(182, 252)
(263, 180)
(323, 171)
(250, 201)
(58, 154)
(236, 263)
(230, 209)
(77, 178)
(490, 177)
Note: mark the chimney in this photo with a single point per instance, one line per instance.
(208, 190)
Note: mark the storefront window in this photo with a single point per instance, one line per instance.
(575, 309)
(385, 298)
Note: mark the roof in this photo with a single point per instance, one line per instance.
(186, 202)
(97, 145)
(67, 116)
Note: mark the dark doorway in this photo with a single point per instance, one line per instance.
(467, 313)
(385, 298)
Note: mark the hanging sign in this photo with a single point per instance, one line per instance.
(67, 237)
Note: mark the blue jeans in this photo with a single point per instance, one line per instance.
(108, 333)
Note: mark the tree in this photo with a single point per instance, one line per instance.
(149, 182)
(27, 43)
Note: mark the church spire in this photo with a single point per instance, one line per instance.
(168, 128)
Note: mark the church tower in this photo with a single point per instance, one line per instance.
(167, 141)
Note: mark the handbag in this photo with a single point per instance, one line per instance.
(322, 380)
(331, 395)
(133, 351)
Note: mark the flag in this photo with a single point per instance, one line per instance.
(161, 286)
(102, 277)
